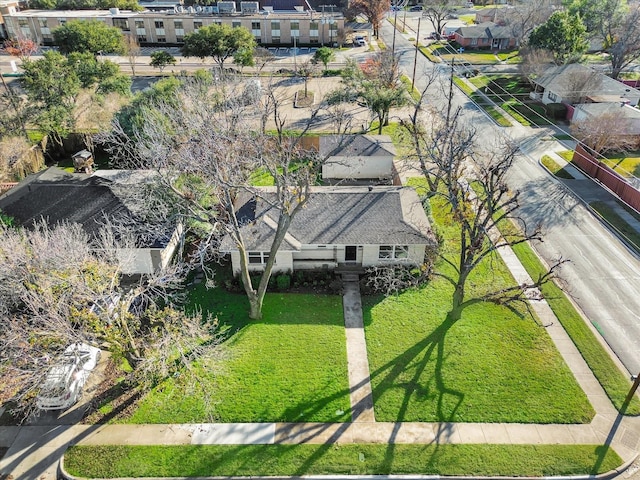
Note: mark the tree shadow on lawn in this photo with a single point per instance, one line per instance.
(433, 345)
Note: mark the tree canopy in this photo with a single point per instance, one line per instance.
(54, 82)
(219, 42)
(85, 4)
(324, 55)
(564, 35)
(91, 36)
(598, 16)
(161, 59)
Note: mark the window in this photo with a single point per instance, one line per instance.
(161, 40)
(275, 31)
(258, 258)
(177, 24)
(159, 24)
(313, 32)
(142, 39)
(256, 31)
(552, 96)
(43, 22)
(236, 24)
(389, 252)
(197, 24)
(121, 23)
(295, 28)
(474, 41)
(140, 24)
(62, 21)
(22, 22)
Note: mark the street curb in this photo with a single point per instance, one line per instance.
(62, 473)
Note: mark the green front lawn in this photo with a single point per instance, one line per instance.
(511, 93)
(296, 460)
(551, 165)
(290, 366)
(479, 100)
(492, 365)
(626, 164)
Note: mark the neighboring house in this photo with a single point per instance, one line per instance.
(485, 35)
(56, 196)
(494, 15)
(627, 118)
(357, 158)
(268, 24)
(338, 226)
(575, 83)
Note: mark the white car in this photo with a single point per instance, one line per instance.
(359, 41)
(63, 384)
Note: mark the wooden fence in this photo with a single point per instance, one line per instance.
(607, 176)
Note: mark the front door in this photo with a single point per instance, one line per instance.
(350, 253)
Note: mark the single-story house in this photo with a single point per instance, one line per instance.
(338, 226)
(357, 158)
(574, 83)
(485, 35)
(56, 196)
(626, 118)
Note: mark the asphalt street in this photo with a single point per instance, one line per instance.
(602, 275)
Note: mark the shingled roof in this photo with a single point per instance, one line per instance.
(487, 30)
(338, 216)
(356, 146)
(56, 196)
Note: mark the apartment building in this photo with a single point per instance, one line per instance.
(168, 27)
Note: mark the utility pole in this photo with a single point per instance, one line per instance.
(415, 59)
(327, 21)
(395, 29)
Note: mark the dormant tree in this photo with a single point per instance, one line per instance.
(522, 20)
(206, 152)
(373, 10)
(470, 179)
(437, 11)
(50, 277)
(132, 49)
(622, 41)
(608, 132)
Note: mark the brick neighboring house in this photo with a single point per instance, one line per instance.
(485, 35)
(575, 83)
(339, 226)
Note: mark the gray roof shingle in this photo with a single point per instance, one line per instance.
(57, 196)
(356, 145)
(339, 216)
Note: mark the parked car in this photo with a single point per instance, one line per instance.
(359, 41)
(63, 384)
(416, 8)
